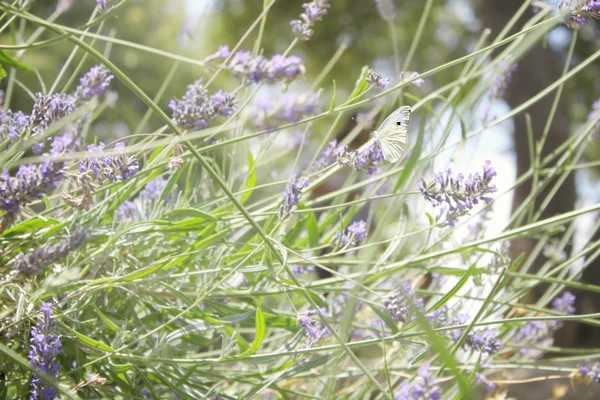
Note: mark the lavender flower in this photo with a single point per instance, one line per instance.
(94, 83)
(416, 82)
(328, 156)
(260, 69)
(366, 160)
(314, 330)
(45, 346)
(114, 168)
(196, 109)
(458, 195)
(591, 371)
(289, 109)
(128, 211)
(222, 54)
(46, 111)
(489, 386)
(352, 235)
(577, 13)
(377, 79)
(36, 262)
(501, 82)
(30, 182)
(291, 196)
(313, 11)
(424, 387)
(298, 269)
(483, 340)
(386, 9)
(13, 124)
(403, 303)
(541, 333)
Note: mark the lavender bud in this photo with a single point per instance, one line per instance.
(354, 234)
(114, 168)
(259, 69)
(366, 160)
(424, 387)
(197, 108)
(221, 54)
(94, 83)
(289, 109)
(456, 196)
(482, 340)
(36, 262)
(377, 79)
(291, 196)
(313, 11)
(577, 13)
(45, 346)
(314, 330)
(403, 304)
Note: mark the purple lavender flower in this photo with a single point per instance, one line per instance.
(458, 195)
(196, 109)
(298, 269)
(489, 386)
(424, 387)
(314, 330)
(289, 109)
(114, 168)
(417, 82)
(366, 160)
(13, 124)
(221, 54)
(94, 83)
(591, 371)
(501, 82)
(438, 318)
(328, 156)
(45, 346)
(541, 333)
(291, 196)
(153, 189)
(403, 304)
(377, 79)
(313, 11)
(260, 69)
(30, 183)
(483, 340)
(36, 262)
(577, 13)
(46, 111)
(128, 211)
(386, 9)
(352, 235)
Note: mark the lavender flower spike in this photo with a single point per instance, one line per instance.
(313, 11)
(577, 13)
(260, 69)
(366, 160)
(403, 303)
(291, 196)
(312, 328)
(483, 340)
(352, 235)
(197, 108)
(114, 168)
(424, 387)
(36, 262)
(377, 79)
(45, 346)
(94, 83)
(458, 195)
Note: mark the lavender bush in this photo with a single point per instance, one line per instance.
(228, 228)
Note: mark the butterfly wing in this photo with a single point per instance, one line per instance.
(400, 117)
(392, 141)
(392, 135)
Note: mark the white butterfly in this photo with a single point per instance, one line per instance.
(392, 135)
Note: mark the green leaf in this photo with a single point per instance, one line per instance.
(89, 341)
(7, 60)
(333, 98)
(251, 178)
(312, 227)
(361, 85)
(33, 224)
(259, 335)
(180, 213)
(111, 325)
(3, 73)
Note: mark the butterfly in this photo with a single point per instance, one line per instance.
(392, 135)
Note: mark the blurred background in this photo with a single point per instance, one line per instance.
(196, 28)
